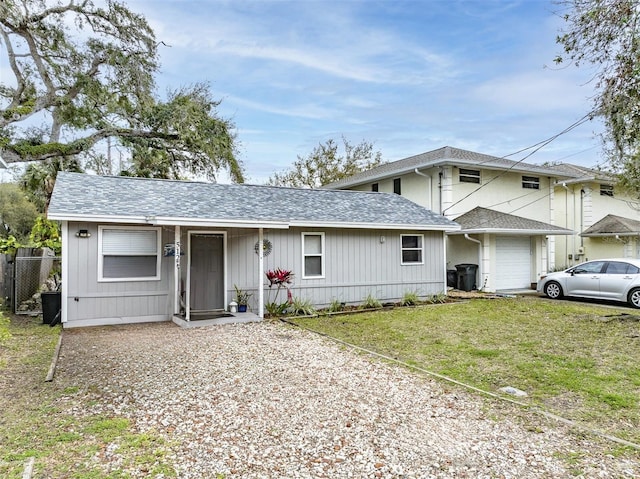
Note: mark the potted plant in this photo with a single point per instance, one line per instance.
(242, 298)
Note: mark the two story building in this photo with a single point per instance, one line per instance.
(506, 209)
(607, 221)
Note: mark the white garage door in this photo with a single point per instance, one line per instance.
(513, 262)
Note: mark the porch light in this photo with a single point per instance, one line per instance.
(83, 234)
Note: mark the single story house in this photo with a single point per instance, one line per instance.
(137, 249)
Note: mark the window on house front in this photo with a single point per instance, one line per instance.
(374, 187)
(412, 246)
(313, 255)
(531, 182)
(128, 253)
(469, 176)
(606, 190)
(396, 186)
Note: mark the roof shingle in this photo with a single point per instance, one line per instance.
(79, 195)
(444, 156)
(484, 219)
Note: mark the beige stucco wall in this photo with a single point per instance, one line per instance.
(577, 207)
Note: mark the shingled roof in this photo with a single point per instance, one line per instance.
(612, 225)
(81, 197)
(484, 220)
(582, 173)
(445, 156)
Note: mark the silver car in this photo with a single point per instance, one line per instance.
(613, 279)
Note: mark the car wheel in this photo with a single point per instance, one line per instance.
(634, 297)
(553, 290)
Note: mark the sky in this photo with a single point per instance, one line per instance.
(407, 76)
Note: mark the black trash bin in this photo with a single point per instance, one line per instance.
(452, 278)
(51, 305)
(466, 276)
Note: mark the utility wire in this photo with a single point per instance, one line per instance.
(535, 148)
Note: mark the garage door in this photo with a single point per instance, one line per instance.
(513, 262)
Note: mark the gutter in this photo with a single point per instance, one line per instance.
(480, 268)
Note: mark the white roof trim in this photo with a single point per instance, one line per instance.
(214, 223)
(387, 226)
(488, 165)
(98, 218)
(513, 232)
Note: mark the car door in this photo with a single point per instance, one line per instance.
(617, 277)
(585, 279)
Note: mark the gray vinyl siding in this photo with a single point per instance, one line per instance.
(90, 301)
(356, 264)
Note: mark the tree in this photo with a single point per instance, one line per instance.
(325, 165)
(38, 179)
(17, 213)
(606, 35)
(87, 74)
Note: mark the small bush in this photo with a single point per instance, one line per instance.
(335, 306)
(276, 309)
(437, 298)
(371, 302)
(302, 307)
(410, 298)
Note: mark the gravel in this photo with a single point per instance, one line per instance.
(265, 400)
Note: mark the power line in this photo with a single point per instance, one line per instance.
(535, 148)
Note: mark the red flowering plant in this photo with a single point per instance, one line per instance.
(280, 278)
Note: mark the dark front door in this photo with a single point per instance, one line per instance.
(207, 272)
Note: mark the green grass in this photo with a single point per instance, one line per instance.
(579, 361)
(34, 422)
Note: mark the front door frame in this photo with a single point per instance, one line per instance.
(224, 267)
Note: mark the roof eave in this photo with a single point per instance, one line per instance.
(230, 223)
(386, 226)
(511, 231)
(608, 235)
(447, 161)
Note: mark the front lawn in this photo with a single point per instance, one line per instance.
(37, 420)
(579, 361)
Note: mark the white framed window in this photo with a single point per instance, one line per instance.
(312, 255)
(469, 176)
(531, 182)
(412, 247)
(129, 253)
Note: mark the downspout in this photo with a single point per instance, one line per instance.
(582, 192)
(469, 238)
(419, 173)
(440, 175)
(260, 273)
(566, 219)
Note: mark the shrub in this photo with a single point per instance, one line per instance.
(301, 306)
(437, 298)
(335, 306)
(371, 302)
(410, 298)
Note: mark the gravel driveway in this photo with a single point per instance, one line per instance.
(265, 400)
